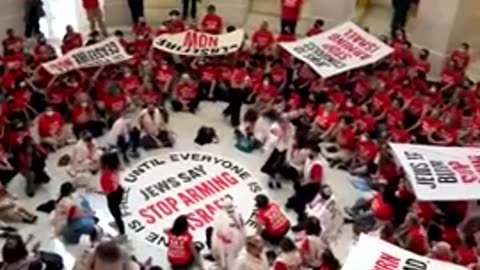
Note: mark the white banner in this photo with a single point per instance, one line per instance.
(337, 50)
(371, 253)
(441, 173)
(108, 51)
(194, 43)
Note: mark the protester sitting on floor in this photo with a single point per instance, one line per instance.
(273, 225)
(245, 134)
(253, 256)
(85, 160)
(289, 257)
(51, 129)
(312, 244)
(181, 251)
(185, 96)
(12, 211)
(31, 160)
(153, 129)
(107, 255)
(73, 217)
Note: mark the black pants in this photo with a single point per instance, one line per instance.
(114, 200)
(136, 9)
(32, 24)
(399, 18)
(94, 127)
(234, 107)
(192, 4)
(192, 105)
(124, 146)
(292, 25)
(274, 239)
(274, 162)
(304, 194)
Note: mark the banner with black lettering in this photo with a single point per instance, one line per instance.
(337, 50)
(194, 43)
(440, 173)
(371, 253)
(108, 51)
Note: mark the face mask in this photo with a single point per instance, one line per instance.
(266, 83)
(22, 85)
(173, 18)
(433, 90)
(84, 105)
(164, 66)
(128, 74)
(363, 138)
(49, 113)
(349, 104)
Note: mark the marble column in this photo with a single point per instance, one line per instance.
(441, 26)
(12, 15)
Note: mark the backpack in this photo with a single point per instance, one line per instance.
(52, 261)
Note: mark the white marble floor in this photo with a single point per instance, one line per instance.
(185, 126)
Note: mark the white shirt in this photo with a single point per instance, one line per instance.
(120, 127)
(245, 261)
(297, 157)
(279, 138)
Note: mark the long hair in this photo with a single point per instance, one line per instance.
(14, 249)
(180, 225)
(66, 189)
(110, 161)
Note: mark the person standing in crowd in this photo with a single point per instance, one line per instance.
(95, 16)
(111, 187)
(72, 219)
(181, 251)
(136, 10)
(212, 23)
(290, 14)
(189, 7)
(253, 256)
(239, 83)
(33, 13)
(153, 129)
(273, 225)
(280, 136)
(228, 235)
(123, 137)
(400, 14)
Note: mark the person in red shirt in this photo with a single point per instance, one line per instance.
(239, 84)
(208, 74)
(43, 52)
(467, 253)
(111, 187)
(84, 119)
(461, 56)
(119, 35)
(316, 29)
(130, 83)
(289, 257)
(71, 40)
(265, 93)
(416, 240)
(95, 16)
(290, 13)
(326, 121)
(181, 251)
(273, 224)
(451, 75)
(12, 42)
(115, 101)
(141, 28)
(51, 129)
(451, 234)
(185, 95)
(263, 39)
(212, 23)
(422, 63)
(175, 24)
(163, 76)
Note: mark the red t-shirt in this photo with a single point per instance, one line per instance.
(380, 102)
(425, 211)
(381, 209)
(423, 66)
(142, 30)
(212, 24)
(466, 256)
(400, 135)
(109, 181)
(461, 58)
(81, 115)
(13, 43)
(416, 107)
(326, 119)
(395, 117)
(450, 134)
(50, 125)
(179, 249)
(451, 236)
(449, 76)
(91, 4)
(115, 104)
(176, 26)
(366, 123)
(430, 125)
(209, 74)
(130, 84)
(151, 97)
(273, 220)
(72, 41)
(346, 138)
(279, 74)
(143, 45)
(238, 77)
(266, 93)
(56, 95)
(262, 39)
(368, 150)
(418, 240)
(163, 76)
(186, 91)
(291, 9)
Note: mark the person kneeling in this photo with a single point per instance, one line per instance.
(185, 96)
(154, 133)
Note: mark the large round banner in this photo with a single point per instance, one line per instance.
(161, 188)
